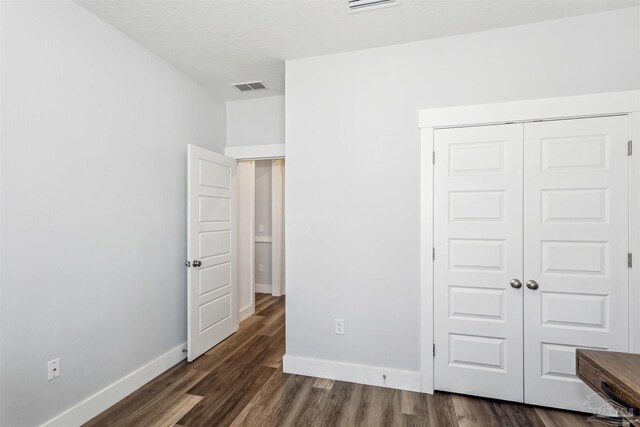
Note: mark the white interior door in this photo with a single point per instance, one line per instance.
(576, 244)
(211, 299)
(478, 252)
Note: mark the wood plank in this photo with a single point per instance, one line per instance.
(350, 396)
(240, 383)
(472, 411)
(413, 421)
(323, 383)
(259, 406)
(172, 383)
(557, 418)
(223, 408)
(281, 402)
(170, 414)
(167, 404)
(439, 409)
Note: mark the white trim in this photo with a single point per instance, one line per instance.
(537, 109)
(277, 227)
(246, 312)
(247, 223)
(426, 260)
(263, 239)
(256, 152)
(627, 102)
(360, 374)
(110, 395)
(634, 237)
(262, 288)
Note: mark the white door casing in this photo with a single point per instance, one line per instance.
(245, 232)
(478, 251)
(576, 243)
(277, 228)
(211, 298)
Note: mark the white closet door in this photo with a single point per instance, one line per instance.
(576, 244)
(478, 251)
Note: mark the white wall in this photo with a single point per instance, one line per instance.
(256, 121)
(352, 212)
(263, 217)
(94, 135)
(263, 197)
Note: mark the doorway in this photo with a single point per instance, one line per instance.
(260, 213)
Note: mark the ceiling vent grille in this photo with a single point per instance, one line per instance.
(362, 5)
(249, 86)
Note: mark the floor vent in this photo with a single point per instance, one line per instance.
(249, 86)
(362, 5)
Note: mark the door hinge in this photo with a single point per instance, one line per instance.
(434, 350)
(433, 158)
(433, 253)
(630, 149)
(630, 260)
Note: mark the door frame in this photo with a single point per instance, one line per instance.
(274, 152)
(571, 107)
(245, 224)
(256, 152)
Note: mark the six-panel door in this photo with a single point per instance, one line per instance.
(576, 207)
(478, 251)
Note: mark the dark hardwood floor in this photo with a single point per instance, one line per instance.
(240, 383)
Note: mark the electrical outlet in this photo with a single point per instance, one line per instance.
(260, 228)
(339, 327)
(53, 369)
(260, 267)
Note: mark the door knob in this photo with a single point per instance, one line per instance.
(532, 284)
(197, 263)
(515, 283)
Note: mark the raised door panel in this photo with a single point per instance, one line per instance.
(212, 311)
(478, 247)
(576, 244)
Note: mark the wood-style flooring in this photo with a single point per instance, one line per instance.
(240, 383)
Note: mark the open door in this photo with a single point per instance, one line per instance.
(211, 282)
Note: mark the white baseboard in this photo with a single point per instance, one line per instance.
(360, 374)
(246, 312)
(110, 395)
(263, 289)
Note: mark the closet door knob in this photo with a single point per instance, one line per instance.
(197, 263)
(532, 284)
(515, 283)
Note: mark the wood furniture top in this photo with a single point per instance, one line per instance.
(615, 375)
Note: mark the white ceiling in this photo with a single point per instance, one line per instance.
(219, 42)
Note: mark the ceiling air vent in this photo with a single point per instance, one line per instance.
(362, 5)
(249, 86)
